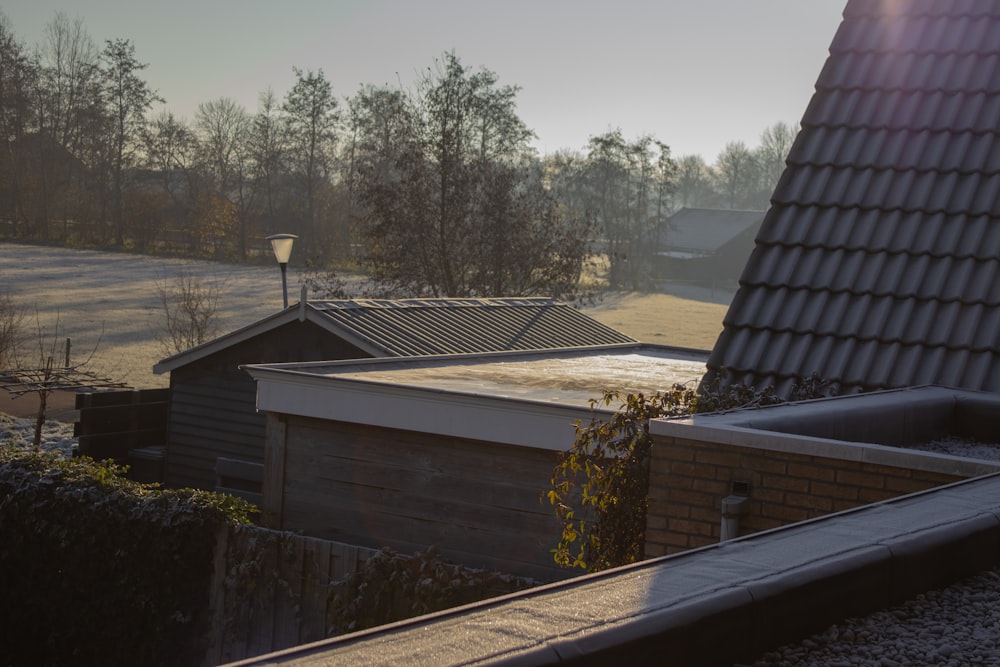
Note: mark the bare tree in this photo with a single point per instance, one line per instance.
(454, 201)
(128, 99)
(53, 372)
(736, 171)
(11, 331)
(312, 119)
(190, 309)
(222, 127)
(694, 183)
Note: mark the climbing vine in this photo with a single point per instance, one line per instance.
(599, 487)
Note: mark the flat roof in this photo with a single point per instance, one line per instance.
(571, 379)
(523, 398)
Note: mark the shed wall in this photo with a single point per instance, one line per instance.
(478, 502)
(213, 409)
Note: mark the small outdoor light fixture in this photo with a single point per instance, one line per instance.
(282, 246)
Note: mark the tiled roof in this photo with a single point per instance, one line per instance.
(705, 230)
(411, 327)
(878, 264)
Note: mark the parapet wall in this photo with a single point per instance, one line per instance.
(690, 478)
(723, 604)
(791, 474)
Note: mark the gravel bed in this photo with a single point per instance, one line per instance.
(958, 625)
(955, 446)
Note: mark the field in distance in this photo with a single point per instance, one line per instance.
(108, 305)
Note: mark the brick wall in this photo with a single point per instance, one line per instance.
(689, 479)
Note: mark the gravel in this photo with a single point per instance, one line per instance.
(958, 625)
(955, 446)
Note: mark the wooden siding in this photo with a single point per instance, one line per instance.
(213, 410)
(112, 423)
(480, 503)
(211, 417)
(289, 602)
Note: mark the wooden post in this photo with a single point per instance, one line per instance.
(272, 502)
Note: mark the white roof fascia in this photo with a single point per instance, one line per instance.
(518, 422)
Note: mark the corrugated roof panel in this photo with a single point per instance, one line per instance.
(446, 326)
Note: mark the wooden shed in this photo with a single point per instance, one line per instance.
(215, 435)
(452, 451)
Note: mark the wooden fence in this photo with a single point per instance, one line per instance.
(272, 590)
(114, 423)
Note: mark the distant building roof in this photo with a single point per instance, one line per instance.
(522, 398)
(695, 232)
(878, 264)
(413, 327)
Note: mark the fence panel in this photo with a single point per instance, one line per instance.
(285, 595)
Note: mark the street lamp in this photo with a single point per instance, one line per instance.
(282, 246)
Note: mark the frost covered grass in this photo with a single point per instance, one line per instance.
(20, 432)
(108, 304)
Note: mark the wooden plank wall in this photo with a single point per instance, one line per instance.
(114, 422)
(479, 502)
(284, 601)
(212, 417)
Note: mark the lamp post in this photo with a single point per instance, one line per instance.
(281, 244)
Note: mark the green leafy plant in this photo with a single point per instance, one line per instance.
(98, 569)
(599, 488)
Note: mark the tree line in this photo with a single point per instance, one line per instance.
(431, 191)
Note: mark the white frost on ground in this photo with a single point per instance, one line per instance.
(56, 436)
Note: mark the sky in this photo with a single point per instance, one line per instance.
(695, 74)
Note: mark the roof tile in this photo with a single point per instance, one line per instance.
(878, 264)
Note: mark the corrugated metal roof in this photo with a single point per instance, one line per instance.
(417, 327)
(878, 264)
(411, 327)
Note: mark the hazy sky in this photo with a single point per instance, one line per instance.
(693, 73)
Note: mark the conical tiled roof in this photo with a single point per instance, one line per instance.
(878, 264)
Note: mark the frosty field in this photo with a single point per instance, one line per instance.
(76, 294)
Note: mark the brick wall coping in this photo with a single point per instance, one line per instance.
(871, 428)
(719, 604)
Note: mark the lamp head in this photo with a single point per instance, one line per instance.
(281, 244)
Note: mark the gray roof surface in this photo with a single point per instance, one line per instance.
(567, 377)
(878, 264)
(705, 230)
(412, 327)
(416, 327)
